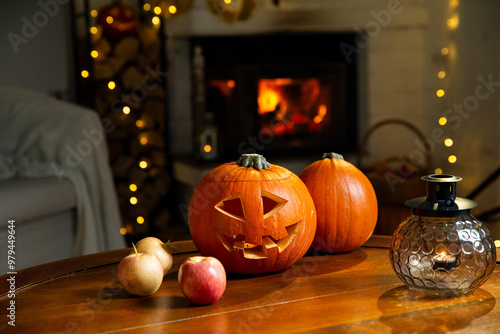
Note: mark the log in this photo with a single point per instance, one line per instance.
(103, 47)
(116, 63)
(137, 176)
(127, 48)
(148, 36)
(103, 71)
(131, 78)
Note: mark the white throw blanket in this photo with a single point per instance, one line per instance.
(41, 136)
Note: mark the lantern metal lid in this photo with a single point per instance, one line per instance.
(441, 199)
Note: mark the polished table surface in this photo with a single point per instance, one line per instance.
(355, 292)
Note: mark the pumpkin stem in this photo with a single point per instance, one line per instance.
(332, 155)
(256, 161)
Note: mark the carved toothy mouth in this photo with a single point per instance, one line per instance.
(269, 243)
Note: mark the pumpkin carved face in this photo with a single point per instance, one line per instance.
(253, 221)
(275, 236)
(118, 20)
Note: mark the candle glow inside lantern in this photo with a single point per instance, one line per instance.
(441, 248)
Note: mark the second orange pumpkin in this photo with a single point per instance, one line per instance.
(345, 201)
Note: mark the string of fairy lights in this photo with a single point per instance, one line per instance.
(153, 14)
(445, 91)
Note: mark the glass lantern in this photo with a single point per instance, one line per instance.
(441, 248)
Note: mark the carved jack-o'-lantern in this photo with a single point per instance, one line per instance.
(118, 20)
(253, 216)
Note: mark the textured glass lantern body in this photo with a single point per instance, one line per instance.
(442, 255)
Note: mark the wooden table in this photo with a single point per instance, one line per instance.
(355, 292)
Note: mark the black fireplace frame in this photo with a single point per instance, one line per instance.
(247, 59)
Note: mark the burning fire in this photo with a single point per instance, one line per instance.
(292, 104)
(271, 93)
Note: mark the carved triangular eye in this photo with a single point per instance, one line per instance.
(271, 203)
(232, 207)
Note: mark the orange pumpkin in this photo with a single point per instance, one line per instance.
(345, 202)
(253, 216)
(118, 20)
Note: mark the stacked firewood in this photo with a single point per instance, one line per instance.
(129, 91)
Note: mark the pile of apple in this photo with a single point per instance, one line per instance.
(202, 279)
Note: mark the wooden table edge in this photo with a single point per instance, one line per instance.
(37, 274)
(34, 275)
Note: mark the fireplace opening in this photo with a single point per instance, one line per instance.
(293, 106)
(278, 94)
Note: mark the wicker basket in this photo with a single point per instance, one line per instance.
(394, 182)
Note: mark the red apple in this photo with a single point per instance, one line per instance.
(158, 248)
(140, 274)
(202, 279)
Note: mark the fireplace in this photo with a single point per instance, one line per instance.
(277, 94)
